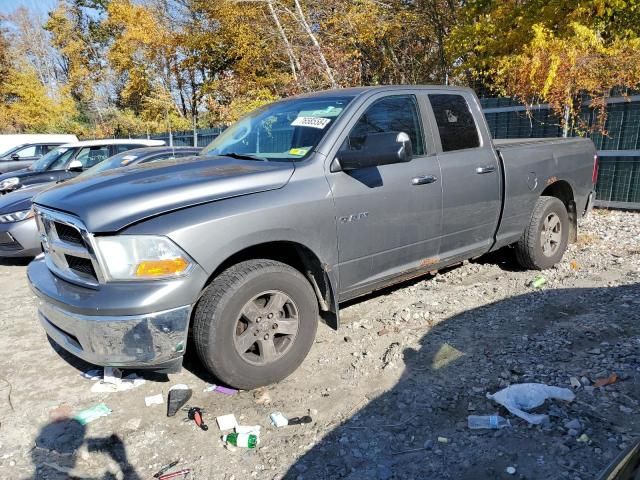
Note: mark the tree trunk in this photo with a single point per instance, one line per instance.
(293, 62)
(314, 40)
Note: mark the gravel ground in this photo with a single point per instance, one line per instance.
(389, 393)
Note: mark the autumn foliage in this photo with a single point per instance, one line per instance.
(122, 67)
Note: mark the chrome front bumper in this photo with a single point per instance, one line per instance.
(142, 341)
(136, 324)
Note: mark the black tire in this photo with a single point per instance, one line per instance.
(530, 249)
(219, 314)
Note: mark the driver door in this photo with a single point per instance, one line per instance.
(388, 219)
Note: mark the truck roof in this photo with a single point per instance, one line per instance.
(356, 91)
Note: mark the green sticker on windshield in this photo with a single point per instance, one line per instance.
(329, 112)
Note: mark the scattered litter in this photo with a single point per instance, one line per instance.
(583, 438)
(227, 422)
(575, 383)
(261, 396)
(278, 419)
(255, 429)
(221, 389)
(511, 470)
(177, 398)
(153, 400)
(243, 440)
(112, 375)
(90, 414)
(538, 281)
(443, 440)
(382, 332)
(299, 420)
(601, 382)
(494, 422)
(173, 475)
(111, 384)
(526, 396)
(195, 414)
(92, 374)
(166, 468)
(574, 265)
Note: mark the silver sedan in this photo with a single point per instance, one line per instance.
(18, 231)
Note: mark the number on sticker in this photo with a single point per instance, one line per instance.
(313, 122)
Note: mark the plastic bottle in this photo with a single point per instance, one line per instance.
(493, 422)
(246, 440)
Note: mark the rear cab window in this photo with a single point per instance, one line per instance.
(456, 126)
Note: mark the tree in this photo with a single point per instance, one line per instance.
(548, 51)
(79, 36)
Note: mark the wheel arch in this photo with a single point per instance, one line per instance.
(562, 190)
(319, 274)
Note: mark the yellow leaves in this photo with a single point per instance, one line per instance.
(558, 69)
(25, 105)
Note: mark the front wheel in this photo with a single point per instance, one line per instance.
(545, 239)
(255, 323)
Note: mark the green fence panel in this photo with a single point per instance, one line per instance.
(619, 179)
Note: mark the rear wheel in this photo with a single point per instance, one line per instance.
(255, 323)
(545, 239)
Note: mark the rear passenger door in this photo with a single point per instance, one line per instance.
(471, 182)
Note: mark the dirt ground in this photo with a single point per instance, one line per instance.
(389, 392)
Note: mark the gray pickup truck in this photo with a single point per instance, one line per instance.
(300, 205)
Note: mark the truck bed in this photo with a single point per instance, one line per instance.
(530, 166)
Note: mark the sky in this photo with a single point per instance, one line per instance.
(41, 6)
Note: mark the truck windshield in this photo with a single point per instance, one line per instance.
(284, 131)
(54, 160)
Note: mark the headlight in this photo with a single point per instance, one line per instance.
(16, 216)
(141, 257)
(9, 183)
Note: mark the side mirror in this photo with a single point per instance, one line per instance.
(75, 166)
(378, 149)
(15, 157)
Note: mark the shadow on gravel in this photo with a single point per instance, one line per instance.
(15, 262)
(418, 429)
(504, 258)
(56, 448)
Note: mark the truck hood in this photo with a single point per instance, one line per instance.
(20, 199)
(117, 198)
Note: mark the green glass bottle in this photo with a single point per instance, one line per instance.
(246, 440)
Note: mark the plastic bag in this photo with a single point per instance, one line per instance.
(526, 396)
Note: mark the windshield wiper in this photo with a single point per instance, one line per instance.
(242, 156)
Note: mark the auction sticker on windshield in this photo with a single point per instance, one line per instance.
(313, 122)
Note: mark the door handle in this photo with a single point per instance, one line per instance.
(486, 169)
(424, 180)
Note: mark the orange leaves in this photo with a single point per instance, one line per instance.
(601, 382)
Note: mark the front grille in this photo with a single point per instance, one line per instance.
(81, 265)
(68, 234)
(67, 248)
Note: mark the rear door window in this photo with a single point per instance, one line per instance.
(90, 156)
(456, 125)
